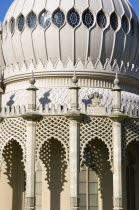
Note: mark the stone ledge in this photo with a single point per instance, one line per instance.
(32, 116)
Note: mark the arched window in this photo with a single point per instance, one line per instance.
(101, 19)
(73, 18)
(45, 19)
(125, 24)
(32, 20)
(59, 18)
(21, 22)
(12, 25)
(114, 21)
(88, 18)
(88, 187)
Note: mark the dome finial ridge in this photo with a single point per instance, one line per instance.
(74, 79)
(116, 83)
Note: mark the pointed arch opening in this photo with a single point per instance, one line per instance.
(12, 182)
(131, 171)
(55, 186)
(95, 177)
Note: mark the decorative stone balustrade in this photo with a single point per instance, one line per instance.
(61, 110)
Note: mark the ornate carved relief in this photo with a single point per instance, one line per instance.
(52, 127)
(13, 129)
(61, 95)
(96, 127)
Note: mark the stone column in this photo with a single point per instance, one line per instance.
(31, 116)
(74, 163)
(30, 165)
(117, 117)
(74, 116)
(117, 166)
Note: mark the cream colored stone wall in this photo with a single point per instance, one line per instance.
(5, 191)
(63, 203)
(12, 180)
(11, 198)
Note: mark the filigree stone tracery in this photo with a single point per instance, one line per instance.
(52, 127)
(13, 129)
(96, 127)
(130, 133)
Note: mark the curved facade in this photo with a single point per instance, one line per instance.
(69, 106)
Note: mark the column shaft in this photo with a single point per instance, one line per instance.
(117, 161)
(74, 163)
(30, 167)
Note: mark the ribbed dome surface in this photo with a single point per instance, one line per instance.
(102, 29)
(1, 54)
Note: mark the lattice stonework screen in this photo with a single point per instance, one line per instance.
(52, 127)
(13, 129)
(96, 127)
(130, 132)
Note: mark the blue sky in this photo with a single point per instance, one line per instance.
(4, 5)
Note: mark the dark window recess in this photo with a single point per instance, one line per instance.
(12, 25)
(88, 18)
(101, 19)
(125, 24)
(21, 22)
(114, 21)
(73, 18)
(32, 20)
(59, 18)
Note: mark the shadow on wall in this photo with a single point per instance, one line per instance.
(11, 101)
(15, 173)
(45, 100)
(87, 101)
(52, 155)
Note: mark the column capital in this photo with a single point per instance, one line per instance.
(118, 116)
(74, 88)
(1, 118)
(75, 115)
(32, 116)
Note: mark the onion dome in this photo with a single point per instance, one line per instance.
(59, 30)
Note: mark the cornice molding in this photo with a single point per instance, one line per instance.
(59, 69)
